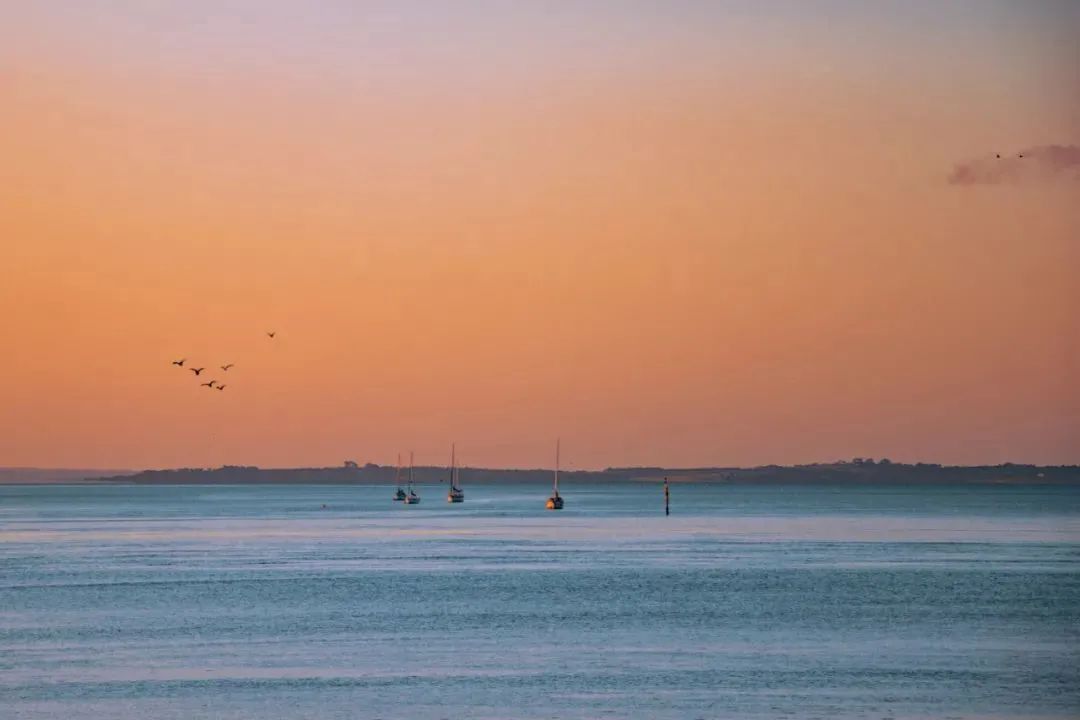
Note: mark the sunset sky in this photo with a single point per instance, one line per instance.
(672, 233)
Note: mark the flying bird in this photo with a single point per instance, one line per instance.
(998, 156)
(179, 363)
(271, 334)
(196, 370)
(208, 384)
(226, 367)
(220, 387)
(1020, 155)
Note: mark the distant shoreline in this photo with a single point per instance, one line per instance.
(860, 472)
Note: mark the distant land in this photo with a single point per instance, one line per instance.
(40, 476)
(858, 471)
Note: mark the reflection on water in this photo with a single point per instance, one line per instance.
(258, 602)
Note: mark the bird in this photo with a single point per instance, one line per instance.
(220, 387)
(179, 363)
(208, 384)
(998, 156)
(226, 367)
(1020, 155)
(196, 370)
(271, 334)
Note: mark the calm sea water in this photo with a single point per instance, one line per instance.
(256, 602)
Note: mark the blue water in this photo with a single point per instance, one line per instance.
(767, 602)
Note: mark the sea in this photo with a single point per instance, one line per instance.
(285, 601)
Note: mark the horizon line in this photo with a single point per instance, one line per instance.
(857, 461)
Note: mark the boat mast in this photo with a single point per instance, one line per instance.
(410, 470)
(556, 467)
(397, 472)
(453, 465)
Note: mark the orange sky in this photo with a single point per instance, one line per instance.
(684, 234)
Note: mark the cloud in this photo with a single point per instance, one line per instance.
(1040, 163)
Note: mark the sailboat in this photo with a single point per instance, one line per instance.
(399, 494)
(555, 502)
(411, 498)
(456, 494)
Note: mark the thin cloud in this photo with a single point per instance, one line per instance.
(1034, 164)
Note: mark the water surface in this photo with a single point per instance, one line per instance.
(748, 602)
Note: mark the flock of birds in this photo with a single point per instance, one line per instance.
(213, 384)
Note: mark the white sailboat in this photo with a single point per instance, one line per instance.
(411, 498)
(455, 494)
(555, 502)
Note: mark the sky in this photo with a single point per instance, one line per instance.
(671, 233)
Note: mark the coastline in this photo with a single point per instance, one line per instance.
(842, 473)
